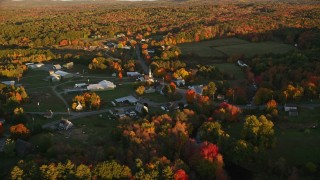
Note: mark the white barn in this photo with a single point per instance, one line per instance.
(101, 86)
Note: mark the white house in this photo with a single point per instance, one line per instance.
(34, 66)
(68, 65)
(8, 83)
(56, 67)
(101, 86)
(240, 63)
(80, 85)
(65, 124)
(180, 81)
(64, 74)
(79, 107)
(133, 74)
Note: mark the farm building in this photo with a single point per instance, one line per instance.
(34, 66)
(8, 83)
(55, 77)
(63, 74)
(65, 124)
(133, 74)
(101, 86)
(141, 108)
(80, 85)
(56, 67)
(128, 99)
(68, 65)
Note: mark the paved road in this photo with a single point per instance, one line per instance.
(141, 60)
(75, 115)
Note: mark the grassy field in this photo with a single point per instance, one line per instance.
(296, 140)
(251, 49)
(34, 78)
(222, 48)
(47, 100)
(232, 69)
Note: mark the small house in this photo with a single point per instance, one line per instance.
(133, 74)
(80, 85)
(180, 81)
(128, 99)
(48, 115)
(79, 107)
(68, 65)
(8, 83)
(56, 67)
(65, 124)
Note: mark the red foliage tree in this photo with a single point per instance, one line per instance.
(19, 131)
(209, 151)
(120, 76)
(181, 175)
(1, 129)
(190, 96)
(63, 42)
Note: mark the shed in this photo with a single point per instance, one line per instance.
(130, 99)
(57, 67)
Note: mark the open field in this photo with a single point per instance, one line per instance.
(231, 69)
(296, 140)
(223, 48)
(47, 100)
(251, 49)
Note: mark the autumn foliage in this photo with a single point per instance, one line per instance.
(227, 112)
(1, 129)
(19, 131)
(181, 175)
(190, 96)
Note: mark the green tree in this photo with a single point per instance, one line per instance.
(83, 172)
(210, 90)
(111, 170)
(258, 131)
(17, 173)
(212, 132)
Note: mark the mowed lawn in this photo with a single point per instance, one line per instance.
(297, 141)
(231, 69)
(251, 49)
(223, 48)
(46, 98)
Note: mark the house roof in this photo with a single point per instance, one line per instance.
(198, 89)
(130, 98)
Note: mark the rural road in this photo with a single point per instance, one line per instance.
(75, 115)
(141, 60)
